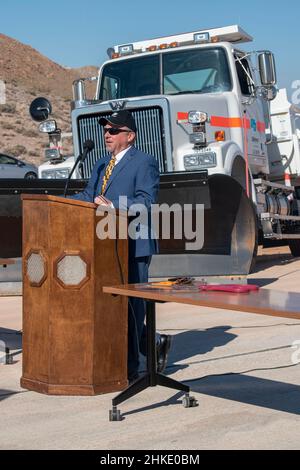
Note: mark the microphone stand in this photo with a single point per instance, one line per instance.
(80, 158)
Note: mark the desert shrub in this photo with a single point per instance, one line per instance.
(16, 150)
(43, 89)
(33, 153)
(9, 108)
(7, 125)
(28, 132)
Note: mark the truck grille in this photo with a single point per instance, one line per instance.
(150, 136)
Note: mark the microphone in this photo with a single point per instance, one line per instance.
(87, 147)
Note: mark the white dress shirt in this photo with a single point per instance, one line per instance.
(121, 154)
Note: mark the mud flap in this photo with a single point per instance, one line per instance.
(229, 228)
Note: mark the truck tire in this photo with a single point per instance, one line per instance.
(295, 247)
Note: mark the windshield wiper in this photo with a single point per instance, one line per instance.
(185, 92)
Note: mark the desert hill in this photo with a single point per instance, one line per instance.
(28, 74)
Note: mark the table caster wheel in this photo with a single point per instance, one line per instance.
(189, 402)
(115, 415)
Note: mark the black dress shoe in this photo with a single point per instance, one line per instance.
(162, 351)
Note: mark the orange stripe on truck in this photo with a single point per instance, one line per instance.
(220, 121)
(225, 121)
(182, 116)
(230, 122)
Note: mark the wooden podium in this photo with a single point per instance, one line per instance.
(74, 336)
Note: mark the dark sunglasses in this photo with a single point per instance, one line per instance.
(113, 130)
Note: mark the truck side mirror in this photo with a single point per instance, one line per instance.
(267, 68)
(40, 109)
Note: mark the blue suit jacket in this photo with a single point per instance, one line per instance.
(135, 176)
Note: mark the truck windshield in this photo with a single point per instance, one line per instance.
(189, 71)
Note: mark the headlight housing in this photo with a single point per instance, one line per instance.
(197, 117)
(48, 126)
(52, 154)
(200, 161)
(61, 173)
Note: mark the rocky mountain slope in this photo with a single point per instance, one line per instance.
(28, 74)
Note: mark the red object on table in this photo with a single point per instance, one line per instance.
(236, 288)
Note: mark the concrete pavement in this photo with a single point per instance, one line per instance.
(238, 365)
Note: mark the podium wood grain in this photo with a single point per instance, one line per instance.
(74, 337)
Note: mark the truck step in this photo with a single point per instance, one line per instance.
(267, 185)
(267, 222)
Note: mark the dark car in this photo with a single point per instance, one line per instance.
(11, 167)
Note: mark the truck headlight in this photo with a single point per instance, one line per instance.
(52, 153)
(190, 160)
(62, 173)
(48, 126)
(197, 117)
(48, 174)
(200, 161)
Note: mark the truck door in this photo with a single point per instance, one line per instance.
(251, 109)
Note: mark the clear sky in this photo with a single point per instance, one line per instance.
(76, 32)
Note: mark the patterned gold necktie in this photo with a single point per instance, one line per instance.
(108, 172)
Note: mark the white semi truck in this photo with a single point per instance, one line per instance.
(208, 111)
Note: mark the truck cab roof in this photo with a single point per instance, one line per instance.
(232, 34)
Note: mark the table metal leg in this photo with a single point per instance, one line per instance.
(151, 342)
(151, 378)
(165, 381)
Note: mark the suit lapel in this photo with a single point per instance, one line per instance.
(120, 166)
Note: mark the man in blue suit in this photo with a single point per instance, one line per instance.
(129, 172)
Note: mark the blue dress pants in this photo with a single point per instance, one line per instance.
(138, 272)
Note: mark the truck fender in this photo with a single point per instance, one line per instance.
(234, 165)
